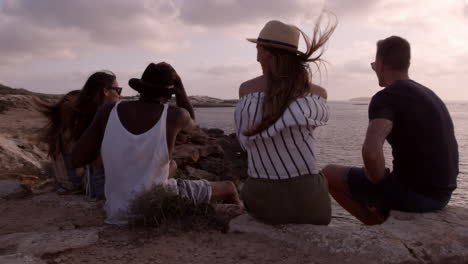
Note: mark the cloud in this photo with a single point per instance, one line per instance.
(55, 28)
(220, 71)
(465, 10)
(216, 13)
(345, 8)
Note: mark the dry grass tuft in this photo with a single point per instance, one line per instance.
(160, 207)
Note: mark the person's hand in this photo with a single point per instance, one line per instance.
(178, 86)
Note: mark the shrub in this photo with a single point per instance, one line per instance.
(160, 207)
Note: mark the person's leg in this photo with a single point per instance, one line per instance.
(224, 191)
(338, 188)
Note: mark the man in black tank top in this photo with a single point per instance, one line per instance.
(418, 126)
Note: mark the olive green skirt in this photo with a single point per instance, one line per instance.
(299, 200)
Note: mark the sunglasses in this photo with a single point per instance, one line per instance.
(118, 90)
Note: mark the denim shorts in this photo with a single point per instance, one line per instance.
(96, 181)
(390, 194)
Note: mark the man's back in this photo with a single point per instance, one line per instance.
(133, 161)
(425, 150)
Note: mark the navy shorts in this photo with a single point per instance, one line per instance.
(390, 194)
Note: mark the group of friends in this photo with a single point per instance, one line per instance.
(118, 149)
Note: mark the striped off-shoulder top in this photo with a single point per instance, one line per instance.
(287, 148)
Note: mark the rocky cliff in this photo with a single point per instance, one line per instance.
(40, 226)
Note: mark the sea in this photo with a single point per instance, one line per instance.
(340, 141)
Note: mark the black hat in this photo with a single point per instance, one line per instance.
(157, 80)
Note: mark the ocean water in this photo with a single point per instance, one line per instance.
(341, 140)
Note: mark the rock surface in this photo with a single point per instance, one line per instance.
(200, 174)
(19, 259)
(11, 189)
(20, 157)
(210, 154)
(40, 243)
(440, 237)
(16, 101)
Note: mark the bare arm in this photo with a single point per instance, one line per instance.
(317, 90)
(372, 150)
(187, 124)
(87, 149)
(182, 98)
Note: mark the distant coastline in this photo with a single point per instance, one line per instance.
(361, 99)
(196, 100)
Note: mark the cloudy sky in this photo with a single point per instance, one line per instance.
(54, 45)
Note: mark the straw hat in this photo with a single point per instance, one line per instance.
(276, 34)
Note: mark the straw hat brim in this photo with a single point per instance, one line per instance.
(273, 44)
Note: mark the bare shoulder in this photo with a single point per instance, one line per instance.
(318, 90)
(103, 112)
(256, 84)
(178, 114)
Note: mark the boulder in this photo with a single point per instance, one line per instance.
(200, 174)
(213, 165)
(20, 157)
(440, 237)
(211, 150)
(231, 164)
(186, 155)
(198, 132)
(199, 140)
(198, 136)
(214, 132)
(38, 243)
(235, 158)
(182, 138)
(11, 189)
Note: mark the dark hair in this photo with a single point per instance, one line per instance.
(395, 53)
(289, 76)
(74, 112)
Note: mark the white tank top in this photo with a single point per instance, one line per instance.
(132, 164)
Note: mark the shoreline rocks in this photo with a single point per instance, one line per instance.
(219, 158)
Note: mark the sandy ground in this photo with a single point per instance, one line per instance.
(50, 211)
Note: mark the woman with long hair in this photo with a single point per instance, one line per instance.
(275, 118)
(67, 120)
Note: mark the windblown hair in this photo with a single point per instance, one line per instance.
(395, 53)
(289, 75)
(74, 112)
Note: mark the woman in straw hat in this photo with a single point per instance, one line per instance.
(275, 118)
